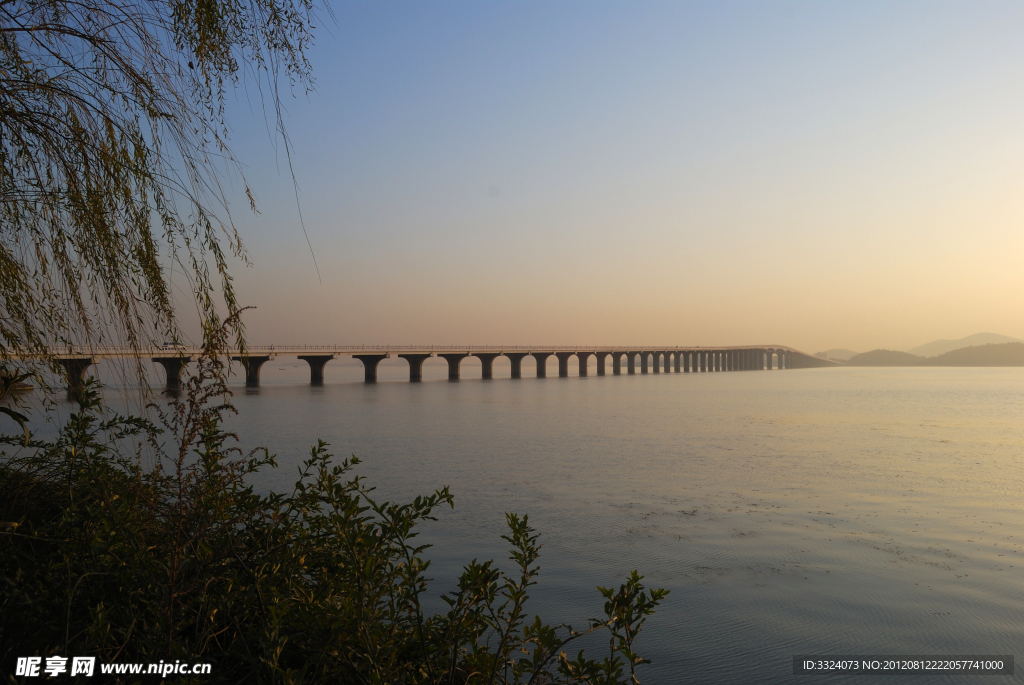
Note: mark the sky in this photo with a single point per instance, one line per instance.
(815, 175)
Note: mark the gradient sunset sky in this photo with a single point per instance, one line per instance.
(662, 173)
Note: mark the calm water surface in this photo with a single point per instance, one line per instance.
(829, 511)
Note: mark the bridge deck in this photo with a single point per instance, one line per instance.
(350, 350)
(681, 359)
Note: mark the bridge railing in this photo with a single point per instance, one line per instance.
(350, 349)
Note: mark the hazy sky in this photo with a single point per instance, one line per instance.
(808, 174)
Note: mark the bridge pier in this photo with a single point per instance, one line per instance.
(487, 361)
(517, 363)
(454, 360)
(668, 360)
(563, 363)
(584, 360)
(415, 365)
(370, 362)
(173, 367)
(252, 365)
(317, 362)
(542, 363)
(74, 370)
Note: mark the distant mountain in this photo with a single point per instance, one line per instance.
(1007, 354)
(836, 353)
(886, 358)
(937, 347)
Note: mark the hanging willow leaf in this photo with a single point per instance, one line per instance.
(111, 120)
(8, 382)
(21, 419)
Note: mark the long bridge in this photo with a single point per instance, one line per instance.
(656, 359)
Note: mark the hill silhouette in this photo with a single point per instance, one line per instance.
(1005, 354)
(836, 353)
(937, 347)
(886, 358)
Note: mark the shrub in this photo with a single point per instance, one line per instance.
(183, 559)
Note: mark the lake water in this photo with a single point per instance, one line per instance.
(812, 511)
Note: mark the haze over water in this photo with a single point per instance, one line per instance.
(827, 511)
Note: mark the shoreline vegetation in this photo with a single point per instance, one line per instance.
(1005, 354)
(137, 541)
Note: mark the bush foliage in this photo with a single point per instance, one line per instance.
(183, 559)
